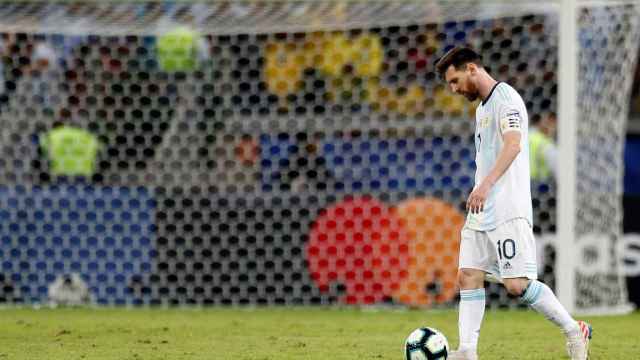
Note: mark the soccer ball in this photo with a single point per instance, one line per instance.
(426, 344)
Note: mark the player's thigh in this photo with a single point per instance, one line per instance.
(515, 249)
(476, 251)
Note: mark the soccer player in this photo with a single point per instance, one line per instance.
(497, 239)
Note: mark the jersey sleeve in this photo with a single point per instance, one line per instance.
(510, 118)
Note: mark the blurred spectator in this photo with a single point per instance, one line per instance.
(71, 151)
(8, 291)
(35, 81)
(29, 101)
(44, 57)
(2, 84)
(44, 79)
(69, 290)
(543, 152)
(15, 60)
(305, 169)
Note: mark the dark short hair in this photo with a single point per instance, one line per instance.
(458, 56)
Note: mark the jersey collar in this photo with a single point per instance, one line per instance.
(484, 102)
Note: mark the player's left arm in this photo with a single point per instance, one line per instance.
(511, 136)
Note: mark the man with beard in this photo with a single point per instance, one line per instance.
(497, 239)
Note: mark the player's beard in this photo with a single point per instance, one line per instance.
(471, 95)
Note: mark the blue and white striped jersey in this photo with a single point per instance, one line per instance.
(510, 197)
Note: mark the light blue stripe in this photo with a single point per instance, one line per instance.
(471, 292)
(505, 93)
(535, 297)
(502, 94)
(472, 295)
(537, 294)
(531, 289)
(533, 293)
(508, 93)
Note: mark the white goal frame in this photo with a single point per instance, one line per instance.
(567, 181)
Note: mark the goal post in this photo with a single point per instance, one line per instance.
(567, 154)
(592, 130)
(307, 152)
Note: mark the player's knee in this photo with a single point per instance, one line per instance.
(516, 287)
(470, 279)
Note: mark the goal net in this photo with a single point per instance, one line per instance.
(294, 152)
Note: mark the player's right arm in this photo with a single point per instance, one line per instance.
(508, 153)
(509, 125)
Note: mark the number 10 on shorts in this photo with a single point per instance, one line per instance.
(506, 249)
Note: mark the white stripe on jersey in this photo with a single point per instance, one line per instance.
(510, 197)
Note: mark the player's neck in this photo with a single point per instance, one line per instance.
(485, 85)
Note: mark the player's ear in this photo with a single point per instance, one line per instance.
(472, 68)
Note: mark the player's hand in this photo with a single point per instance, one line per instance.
(475, 202)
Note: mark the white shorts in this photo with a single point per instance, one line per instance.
(508, 251)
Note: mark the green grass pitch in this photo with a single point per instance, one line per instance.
(285, 333)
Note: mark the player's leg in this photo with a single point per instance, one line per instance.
(517, 262)
(476, 258)
(516, 250)
(542, 299)
(470, 311)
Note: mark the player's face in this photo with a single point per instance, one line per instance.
(460, 82)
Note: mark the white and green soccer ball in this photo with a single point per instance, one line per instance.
(426, 344)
